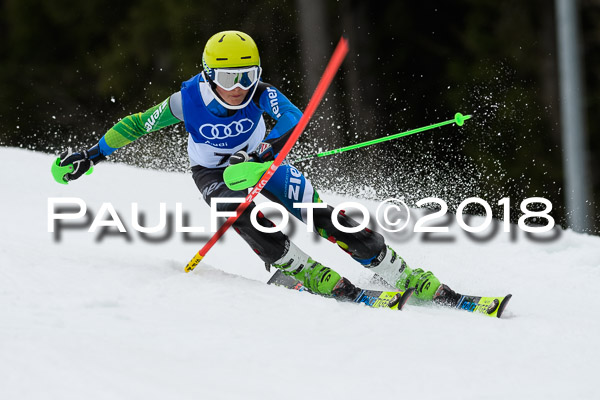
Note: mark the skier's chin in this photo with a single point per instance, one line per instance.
(233, 97)
(235, 101)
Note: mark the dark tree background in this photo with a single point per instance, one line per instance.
(69, 70)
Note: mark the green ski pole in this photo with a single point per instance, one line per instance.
(244, 175)
(459, 120)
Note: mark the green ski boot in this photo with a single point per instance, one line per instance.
(394, 270)
(425, 283)
(314, 276)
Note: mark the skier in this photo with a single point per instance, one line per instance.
(222, 108)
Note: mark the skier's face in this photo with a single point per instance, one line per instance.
(233, 97)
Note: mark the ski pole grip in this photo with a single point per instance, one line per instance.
(58, 172)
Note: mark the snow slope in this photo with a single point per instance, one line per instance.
(117, 319)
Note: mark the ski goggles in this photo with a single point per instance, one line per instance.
(230, 78)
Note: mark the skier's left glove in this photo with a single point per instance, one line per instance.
(264, 152)
(82, 161)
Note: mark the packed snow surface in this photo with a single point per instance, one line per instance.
(91, 316)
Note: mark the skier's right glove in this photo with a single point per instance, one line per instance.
(263, 153)
(240, 157)
(82, 161)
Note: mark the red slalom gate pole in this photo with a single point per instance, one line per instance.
(334, 64)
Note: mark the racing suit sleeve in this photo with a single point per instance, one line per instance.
(137, 125)
(280, 108)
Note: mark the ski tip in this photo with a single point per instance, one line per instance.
(401, 300)
(503, 305)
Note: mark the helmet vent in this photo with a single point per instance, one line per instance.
(220, 40)
(245, 58)
(243, 40)
(222, 59)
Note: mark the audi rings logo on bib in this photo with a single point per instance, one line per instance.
(222, 131)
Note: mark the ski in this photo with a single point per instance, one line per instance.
(489, 306)
(371, 298)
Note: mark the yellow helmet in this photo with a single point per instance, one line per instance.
(231, 59)
(230, 49)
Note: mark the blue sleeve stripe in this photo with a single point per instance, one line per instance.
(104, 147)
